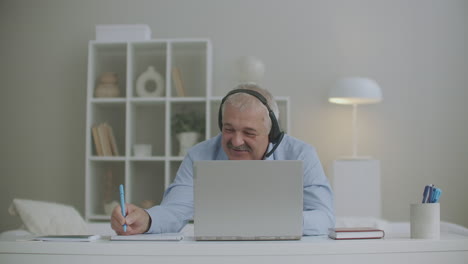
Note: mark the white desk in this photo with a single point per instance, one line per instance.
(450, 248)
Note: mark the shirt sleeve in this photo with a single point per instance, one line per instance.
(318, 212)
(176, 208)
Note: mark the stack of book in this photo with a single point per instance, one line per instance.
(104, 140)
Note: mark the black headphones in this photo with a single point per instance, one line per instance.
(275, 136)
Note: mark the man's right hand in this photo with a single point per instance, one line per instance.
(138, 220)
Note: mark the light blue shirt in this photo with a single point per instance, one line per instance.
(176, 209)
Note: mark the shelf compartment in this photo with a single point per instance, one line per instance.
(105, 178)
(191, 59)
(197, 108)
(109, 57)
(283, 107)
(147, 126)
(213, 115)
(144, 55)
(147, 183)
(114, 115)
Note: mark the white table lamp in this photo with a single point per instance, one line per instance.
(354, 91)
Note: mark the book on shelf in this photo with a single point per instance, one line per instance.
(104, 140)
(355, 233)
(97, 141)
(113, 144)
(178, 82)
(105, 143)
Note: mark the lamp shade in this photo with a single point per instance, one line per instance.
(355, 90)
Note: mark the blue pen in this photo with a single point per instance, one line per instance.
(431, 191)
(122, 204)
(426, 193)
(436, 195)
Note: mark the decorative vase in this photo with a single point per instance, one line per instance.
(150, 83)
(107, 86)
(186, 141)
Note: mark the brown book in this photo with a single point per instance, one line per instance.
(97, 141)
(113, 144)
(178, 83)
(104, 138)
(355, 233)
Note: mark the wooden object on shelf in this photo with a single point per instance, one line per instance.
(113, 144)
(104, 139)
(178, 82)
(97, 141)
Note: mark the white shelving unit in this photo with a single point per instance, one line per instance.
(146, 120)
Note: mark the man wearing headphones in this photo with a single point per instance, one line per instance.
(249, 131)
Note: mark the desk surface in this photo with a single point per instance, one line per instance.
(451, 247)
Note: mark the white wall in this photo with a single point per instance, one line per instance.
(417, 51)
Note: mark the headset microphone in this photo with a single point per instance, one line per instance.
(275, 146)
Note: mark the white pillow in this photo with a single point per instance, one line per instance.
(45, 218)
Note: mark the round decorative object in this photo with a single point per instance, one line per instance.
(107, 86)
(107, 90)
(150, 83)
(108, 77)
(251, 69)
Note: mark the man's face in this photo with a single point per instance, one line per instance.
(244, 134)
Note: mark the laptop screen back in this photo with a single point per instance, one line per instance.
(248, 200)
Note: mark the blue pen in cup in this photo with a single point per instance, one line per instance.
(426, 194)
(435, 195)
(122, 204)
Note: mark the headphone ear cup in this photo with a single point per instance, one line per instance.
(275, 133)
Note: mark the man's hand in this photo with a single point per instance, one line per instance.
(137, 220)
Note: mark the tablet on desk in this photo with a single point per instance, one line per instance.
(68, 238)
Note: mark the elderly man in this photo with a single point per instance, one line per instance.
(249, 131)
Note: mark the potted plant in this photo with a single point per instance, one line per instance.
(188, 127)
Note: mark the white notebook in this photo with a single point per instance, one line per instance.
(150, 237)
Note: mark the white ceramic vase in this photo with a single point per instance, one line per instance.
(148, 77)
(186, 141)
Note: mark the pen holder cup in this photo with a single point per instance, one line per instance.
(425, 220)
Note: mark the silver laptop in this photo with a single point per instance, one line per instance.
(248, 200)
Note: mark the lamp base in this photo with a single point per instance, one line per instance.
(355, 158)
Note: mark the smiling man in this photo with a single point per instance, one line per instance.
(249, 131)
